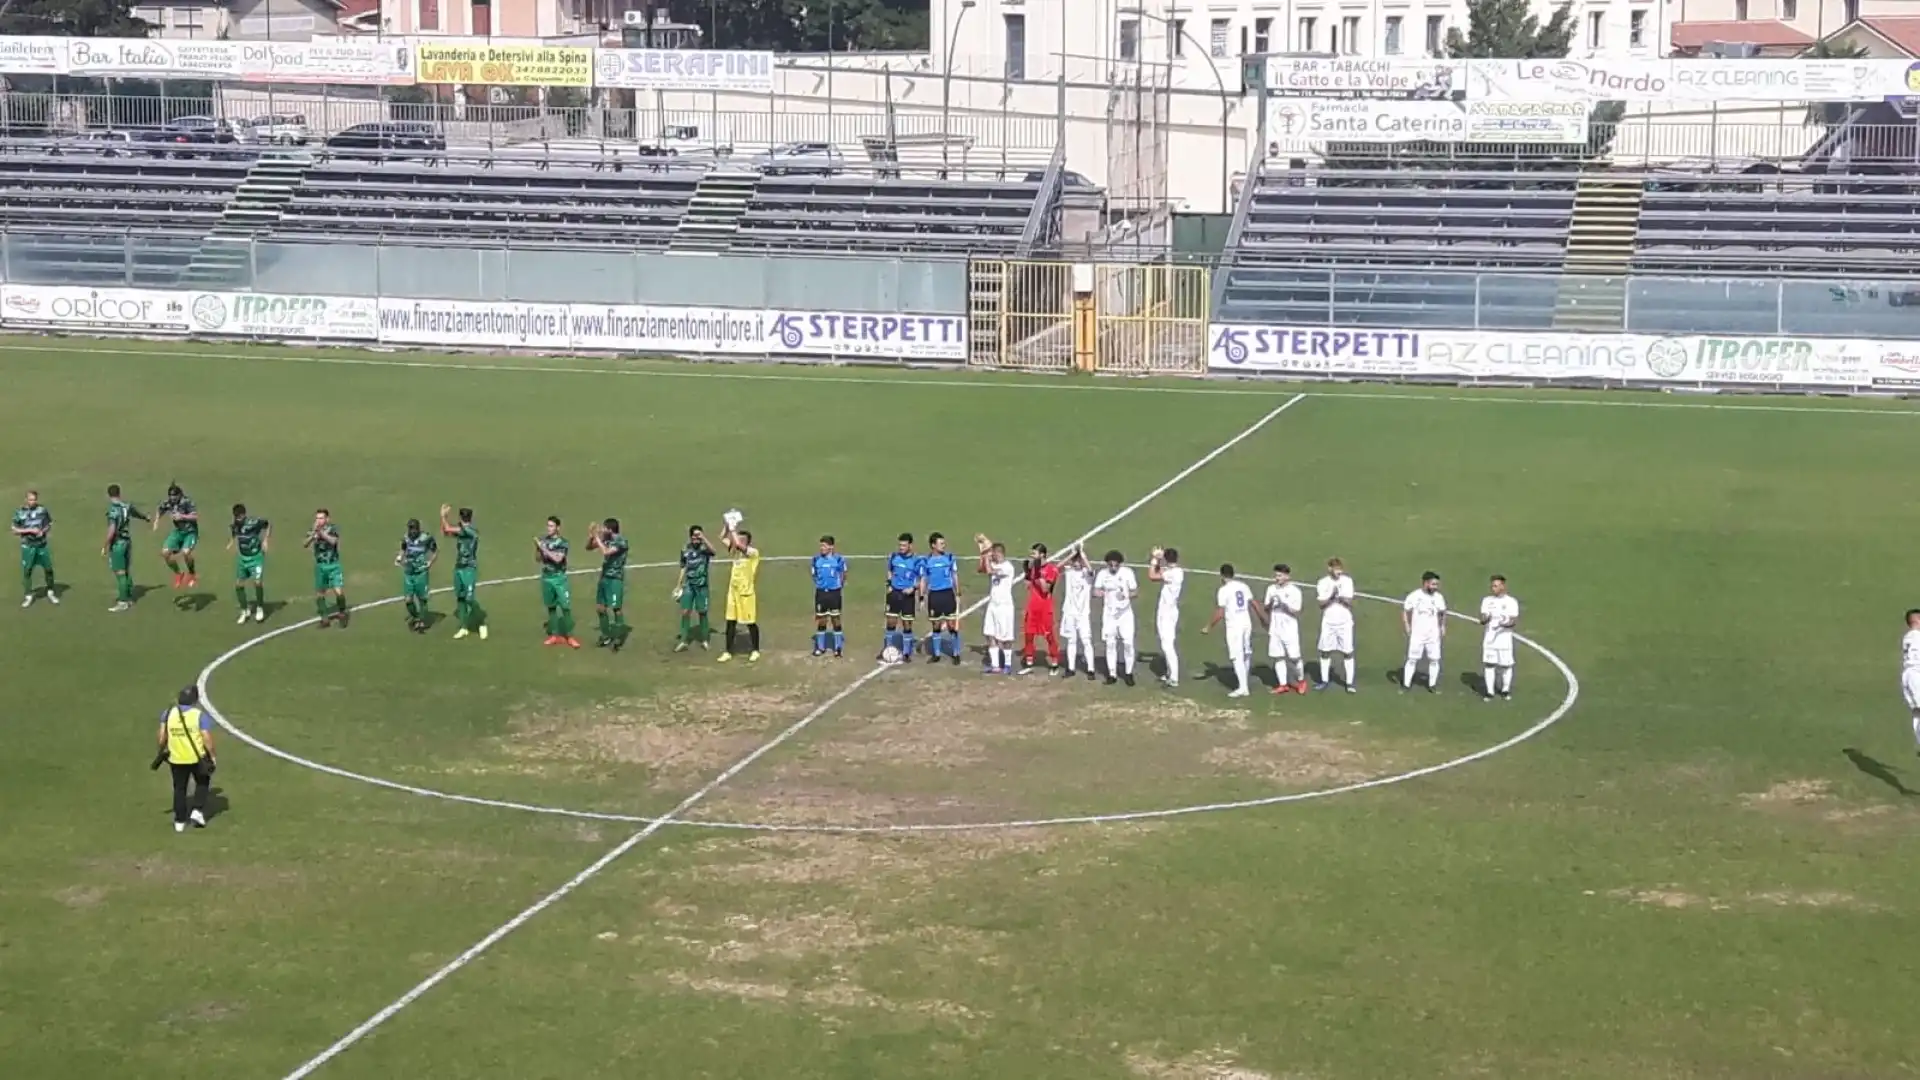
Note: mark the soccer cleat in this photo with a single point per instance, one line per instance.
(571, 643)
(1353, 689)
(1171, 684)
(1109, 681)
(483, 632)
(1127, 678)
(679, 646)
(53, 597)
(554, 639)
(177, 579)
(192, 581)
(1300, 687)
(1319, 686)
(704, 645)
(1091, 676)
(120, 605)
(725, 657)
(242, 620)
(460, 633)
(753, 656)
(933, 657)
(1236, 693)
(28, 601)
(179, 826)
(1506, 695)
(1283, 688)
(989, 669)
(819, 652)
(199, 819)
(259, 614)
(1432, 689)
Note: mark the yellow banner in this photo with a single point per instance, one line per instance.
(504, 65)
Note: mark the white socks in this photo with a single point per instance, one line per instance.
(1916, 727)
(1173, 661)
(1348, 665)
(1486, 680)
(1113, 658)
(1240, 666)
(1323, 668)
(1406, 675)
(1504, 678)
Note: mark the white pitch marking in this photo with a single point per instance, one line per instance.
(478, 948)
(983, 381)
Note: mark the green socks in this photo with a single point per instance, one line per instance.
(240, 597)
(260, 597)
(320, 607)
(123, 587)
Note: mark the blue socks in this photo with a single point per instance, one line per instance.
(839, 642)
(906, 648)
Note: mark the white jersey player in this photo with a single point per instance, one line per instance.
(1076, 610)
(997, 625)
(1910, 669)
(1233, 605)
(1334, 593)
(1423, 615)
(1283, 602)
(1116, 586)
(1165, 568)
(1500, 613)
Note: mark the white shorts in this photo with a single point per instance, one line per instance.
(1336, 637)
(1283, 643)
(997, 623)
(1077, 626)
(1239, 640)
(1493, 655)
(1910, 686)
(1419, 648)
(1167, 628)
(1120, 629)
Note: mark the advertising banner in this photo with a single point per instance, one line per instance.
(1287, 76)
(1691, 81)
(1381, 120)
(60, 307)
(33, 55)
(481, 64)
(631, 328)
(470, 324)
(908, 337)
(231, 61)
(274, 315)
(683, 69)
(1644, 358)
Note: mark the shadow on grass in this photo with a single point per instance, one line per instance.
(195, 602)
(1879, 770)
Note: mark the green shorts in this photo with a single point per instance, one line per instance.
(693, 598)
(611, 593)
(414, 586)
(250, 568)
(555, 592)
(34, 556)
(465, 580)
(120, 556)
(329, 577)
(180, 540)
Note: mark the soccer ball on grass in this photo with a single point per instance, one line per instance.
(890, 654)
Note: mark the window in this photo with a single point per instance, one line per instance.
(1243, 41)
(1436, 32)
(1597, 26)
(1392, 43)
(1349, 35)
(1637, 28)
(1853, 10)
(1129, 39)
(1217, 37)
(1739, 10)
(1308, 24)
(1789, 9)
(152, 16)
(1177, 38)
(1016, 46)
(1262, 35)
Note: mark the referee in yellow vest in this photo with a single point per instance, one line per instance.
(186, 747)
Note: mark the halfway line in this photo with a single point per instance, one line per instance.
(474, 951)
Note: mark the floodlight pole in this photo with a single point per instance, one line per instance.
(1179, 27)
(946, 84)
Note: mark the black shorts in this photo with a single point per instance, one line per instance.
(900, 603)
(942, 604)
(826, 601)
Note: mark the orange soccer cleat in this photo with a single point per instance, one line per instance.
(177, 579)
(1283, 688)
(571, 643)
(1300, 687)
(554, 639)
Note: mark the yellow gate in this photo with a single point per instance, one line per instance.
(1111, 317)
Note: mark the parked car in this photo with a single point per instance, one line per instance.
(109, 143)
(187, 131)
(281, 129)
(801, 159)
(392, 139)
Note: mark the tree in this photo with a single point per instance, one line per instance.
(1831, 114)
(808, 25)
(71, 18)
(1508, 30)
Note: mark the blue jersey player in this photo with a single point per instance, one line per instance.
(905, 572)
(941, 581)
(829, 578)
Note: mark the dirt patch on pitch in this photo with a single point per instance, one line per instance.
(1215, 1064)
(1295, 759)
(1790, 793)
(1674, 898)
(829, 994)
(884, 864)
(692, 732)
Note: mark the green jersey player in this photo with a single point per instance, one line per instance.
(183, 535)
(329, 581)
(696, 562)
(466, 572)
(610, 597)
(555, 594)
(249, 547)
(31, 524)
(118, 547)
(418, 552)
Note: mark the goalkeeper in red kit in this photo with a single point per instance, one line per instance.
(1042, 576)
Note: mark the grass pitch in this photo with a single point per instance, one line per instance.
(1703, 871)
